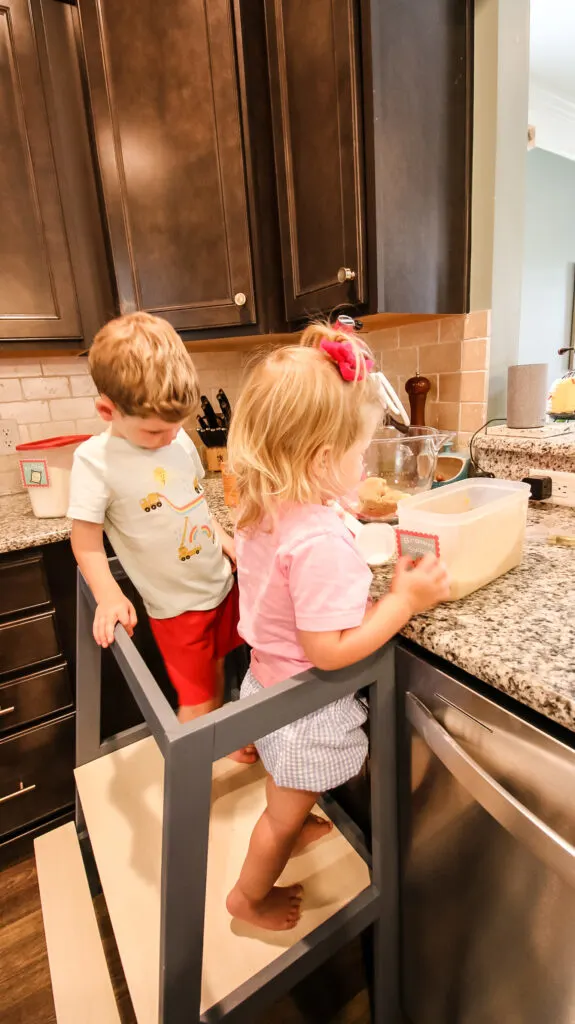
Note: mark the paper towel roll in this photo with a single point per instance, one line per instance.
(527, 389)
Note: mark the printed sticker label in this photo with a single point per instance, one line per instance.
(416, 545)
(34, 473)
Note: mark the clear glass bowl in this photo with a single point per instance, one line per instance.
(397, 465)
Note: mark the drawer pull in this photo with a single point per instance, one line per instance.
(18, 792)
(6, 711)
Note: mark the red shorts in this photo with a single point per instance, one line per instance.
(192, 643)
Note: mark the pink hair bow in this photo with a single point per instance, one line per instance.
(344, 355)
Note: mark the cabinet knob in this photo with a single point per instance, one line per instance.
(345, 274)
(240, 299)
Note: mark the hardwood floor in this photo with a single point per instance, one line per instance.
(335, 994)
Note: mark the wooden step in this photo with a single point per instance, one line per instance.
(81, 983)
(121, 797)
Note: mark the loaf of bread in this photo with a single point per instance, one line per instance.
(377, 499)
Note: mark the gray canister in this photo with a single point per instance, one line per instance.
(527, 391)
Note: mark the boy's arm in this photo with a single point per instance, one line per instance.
(227, 542)
(113, 605)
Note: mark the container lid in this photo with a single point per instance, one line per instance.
(52, 442)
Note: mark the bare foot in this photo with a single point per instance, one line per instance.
(314, 828)
(278, 912)
(247, 755)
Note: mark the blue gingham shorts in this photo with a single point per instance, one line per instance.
(318, 752)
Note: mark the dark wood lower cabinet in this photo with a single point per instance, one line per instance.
(36, 773)
(31, 697)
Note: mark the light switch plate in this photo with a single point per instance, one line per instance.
(9, 437)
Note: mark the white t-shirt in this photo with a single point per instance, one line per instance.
(155, 514)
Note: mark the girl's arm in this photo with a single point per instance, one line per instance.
(413, 591)
(113, 605)
(227, 542)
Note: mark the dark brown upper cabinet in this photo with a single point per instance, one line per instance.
(315, 77)
(164, 95)
(372, 109)
(418, 116)
(37, 289)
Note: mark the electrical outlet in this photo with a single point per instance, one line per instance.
(9, 437)
(563, 486)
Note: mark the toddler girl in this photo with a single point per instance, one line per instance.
(298, 437)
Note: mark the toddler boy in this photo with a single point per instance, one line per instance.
(140, 482)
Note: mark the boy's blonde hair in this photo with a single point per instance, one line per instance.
(141, 364)
(295, 404)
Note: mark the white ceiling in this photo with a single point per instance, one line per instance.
(552, 46)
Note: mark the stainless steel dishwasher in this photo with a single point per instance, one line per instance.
(487, 819)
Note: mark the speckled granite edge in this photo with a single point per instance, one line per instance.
(513, 457)
(19, 528)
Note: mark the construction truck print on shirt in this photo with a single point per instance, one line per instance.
(155, 514)
(193, 535)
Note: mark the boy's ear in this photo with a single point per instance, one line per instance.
(105, 408)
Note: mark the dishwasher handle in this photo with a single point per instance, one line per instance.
(518, 820)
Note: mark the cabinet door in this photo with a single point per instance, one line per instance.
(164, 97)
(37, 294)
(313, 53)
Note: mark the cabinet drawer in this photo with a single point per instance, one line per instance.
(27, 699)
(36, 773)
(27, 642)
(22, 584)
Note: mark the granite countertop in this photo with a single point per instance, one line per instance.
(20, 529)
(517, 634)
(510, 454)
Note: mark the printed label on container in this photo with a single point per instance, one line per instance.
(416, 545)
(34, 472)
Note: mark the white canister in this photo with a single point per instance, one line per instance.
(45, 470)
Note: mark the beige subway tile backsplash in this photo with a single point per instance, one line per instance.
(475, 355)
(64, 366)
(83, 386)
(72, 409)
(400, 361)
(10, 390)
(441, 358)
(474, 386)
(477, 325)
(21, 369)
(54, 428)
(424, 333)
(46, 387)
(92, 426)
(382, 340)
(25, 412)
(472, 416)
(452, 328)
(450, 387)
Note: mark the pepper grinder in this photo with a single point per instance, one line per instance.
(417, 389)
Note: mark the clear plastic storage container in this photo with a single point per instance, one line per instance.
(477, 527)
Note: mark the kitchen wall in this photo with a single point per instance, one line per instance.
(453, 353)
(56, 396)
(548, 261)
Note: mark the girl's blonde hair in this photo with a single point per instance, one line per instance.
(295, 404)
